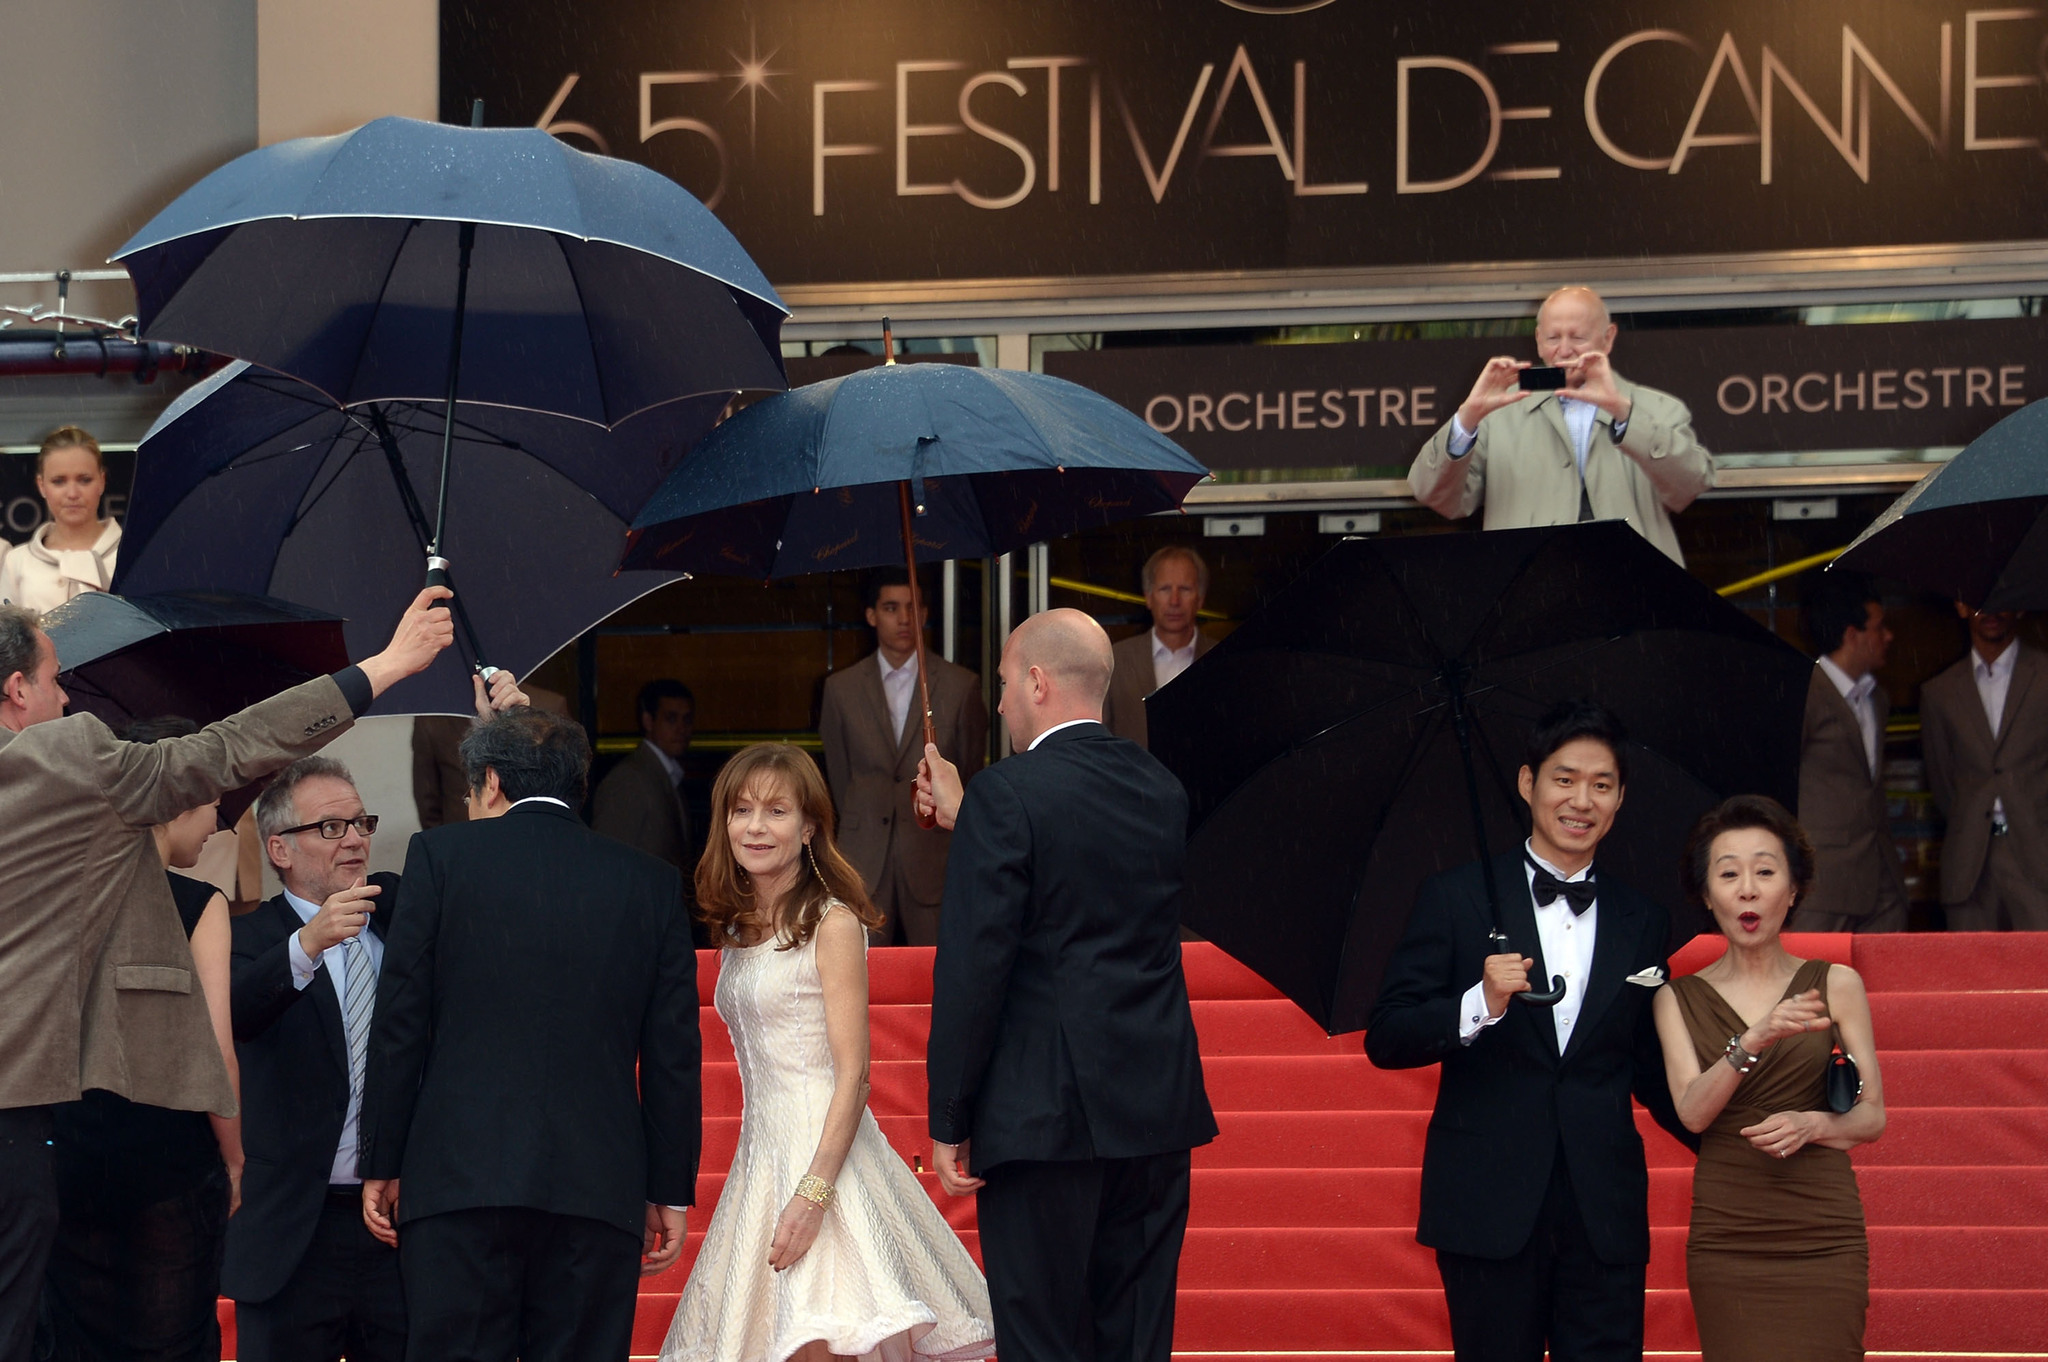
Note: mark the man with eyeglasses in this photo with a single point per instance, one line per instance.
(308, 1281)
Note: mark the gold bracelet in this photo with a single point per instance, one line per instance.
(813, 1188)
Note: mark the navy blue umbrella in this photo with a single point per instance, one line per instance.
(1975, 530)
(255, 482)
(418, 262)
(906, 463)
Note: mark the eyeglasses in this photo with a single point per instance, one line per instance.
(334, 829)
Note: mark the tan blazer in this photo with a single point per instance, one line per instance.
(97, 988)
(873, 772)
(1521, 466)
(639, 805)
(1132, 679)
(1969, 770)
(1841, 806)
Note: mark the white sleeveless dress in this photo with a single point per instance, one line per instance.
(886, 1279)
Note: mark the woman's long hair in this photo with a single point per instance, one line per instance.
(725, 892)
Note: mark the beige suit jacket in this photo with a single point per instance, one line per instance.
(1969, 770)
(1522, 469)
(1841, 806)
(1131, 679)
(637, 804)
(873, 771)
(97, 988)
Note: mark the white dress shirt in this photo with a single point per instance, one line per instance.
(1578, 419)
(1567, 940)
(1858, 693)
(1994, 683)
(335, 961)
(1168, 663)
(897, 684)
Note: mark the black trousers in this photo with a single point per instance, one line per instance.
(1556, 1290)
(28, 1223)
(500, 1282)
(1083, 1257)
(137, 1281)
(344, 1299)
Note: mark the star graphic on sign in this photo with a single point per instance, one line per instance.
(753, 76)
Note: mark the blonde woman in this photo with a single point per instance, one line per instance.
(74, 550)
(823, 1243)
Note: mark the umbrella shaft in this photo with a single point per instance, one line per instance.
(924, 692)
(467, 241)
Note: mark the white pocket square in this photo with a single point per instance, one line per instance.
(1653, 977)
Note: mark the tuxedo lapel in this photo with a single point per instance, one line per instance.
(326, 1004)
(1518, 922)
(1613, 942)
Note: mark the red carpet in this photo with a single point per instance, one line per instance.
(1301, 1242)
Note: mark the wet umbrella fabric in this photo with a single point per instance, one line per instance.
(254, 482)
(597, 288)
(201, 655)
(809, 480)
(1975, 530)
(1324, 772)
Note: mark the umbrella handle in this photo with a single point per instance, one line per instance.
(1550, 998)
(437, 575)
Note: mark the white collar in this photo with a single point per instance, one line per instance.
(1071, 723)
(1160, 650)
(537, 799)
(1998, 670)
(882, 662)
(38, 547)
(302, 907)
(1585, 870)
(1851, 691)
(668, 764)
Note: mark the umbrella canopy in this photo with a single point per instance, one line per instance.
(257, 483)
(1973, 530)
(1324, 770)
(596, 288)
(809, 480)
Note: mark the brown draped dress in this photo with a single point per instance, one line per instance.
(1777, 1260)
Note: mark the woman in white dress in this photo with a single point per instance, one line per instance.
(823, 1244)
(74, 550)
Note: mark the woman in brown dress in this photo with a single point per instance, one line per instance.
(1777, 1260)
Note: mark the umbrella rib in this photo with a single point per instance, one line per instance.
(604, 401)
(306, 508)
(390, 268)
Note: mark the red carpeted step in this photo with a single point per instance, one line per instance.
(1837, 947)
(1264, 1026)
(1965, 1078)
(1905, 1195)
(1958, 1021)
(1952, 962)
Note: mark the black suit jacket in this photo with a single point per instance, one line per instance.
(533, 965)
(1060, 1021)
(293, 1052)
(1505, 1102)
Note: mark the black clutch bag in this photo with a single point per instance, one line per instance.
(1844, 1084)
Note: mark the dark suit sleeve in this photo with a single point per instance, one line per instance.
(988, 896)
(1652, 1085)
(1415, 1018)
(671, 1058)
(399, 1034)
(260, 986)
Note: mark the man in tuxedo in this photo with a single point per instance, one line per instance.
(1984, 731)
(96, 976)
(1534, 1187)
(873, 735)
(1066, 1085)
(531, 968)
(309, 1282)
(1601, 448)
(1176, 582)
(1858, 885)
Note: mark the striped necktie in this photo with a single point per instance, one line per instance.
(355, 1013)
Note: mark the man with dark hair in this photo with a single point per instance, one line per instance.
(96, 976)
(533, 1080)
(1857, 886)
(1984, 730)
(874, 738)
(641, 801)
(1534, 1187)
(1175, 581)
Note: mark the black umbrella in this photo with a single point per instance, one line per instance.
(1364, 730)
(202, 655)
(1974, 530)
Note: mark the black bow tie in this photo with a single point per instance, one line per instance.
(1547, 888)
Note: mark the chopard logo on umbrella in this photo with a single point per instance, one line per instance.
(1099, 502)
(825, 551)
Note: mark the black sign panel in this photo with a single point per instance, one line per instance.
(1752, 390)
(961, 140)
